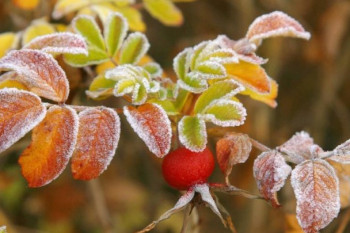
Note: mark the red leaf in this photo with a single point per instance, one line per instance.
(316, 189)
(275, 24)
(53, 142)
(39, 71)
(58, 43)
(271, 172)
(99, 130)
(152, 124)
(232, 149)
(20, 111)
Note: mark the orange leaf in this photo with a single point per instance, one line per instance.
(271, 172)
(53, 142)
(250, 75)
(39, 71)
(152, 124)
(269, 98)
(26, 4)
(232, 149)
(20, 111)
(275, 24)
(99, 130)
(316, 189)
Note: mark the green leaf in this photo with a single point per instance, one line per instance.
(167, 105)
(197, 50)
(192, 133)
(123, 87)
(181, 63)
(181, 99)
(165, 11)
(95, 56)
(154, 69)
(134, 48)
(115, 31)
(211, 70)
(224, 113)
(139, 94)
(193, 83)
(88, 28)
(101, 88)
(223, 89)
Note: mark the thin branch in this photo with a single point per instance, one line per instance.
(259, 145)
(100, 205)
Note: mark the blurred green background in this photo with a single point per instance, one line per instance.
(314, 96)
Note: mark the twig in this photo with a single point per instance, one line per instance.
(187, 215)
(100, 205)
(259, 145)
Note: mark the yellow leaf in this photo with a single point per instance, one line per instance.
(101, 68)
(269, 98)
(12, 83)
(165, 11)
(292, 225)
(26, 4)
(8, 41)
(134, 18)
(38, 28)
(250, 75)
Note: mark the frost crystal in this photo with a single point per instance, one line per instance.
(53, 142)
(193, 133)
(39, 71)
(20, 111)
(271, 172)
(316, 189)
(99, 130)
(341, 153)
(275, 24)
(152, 125)
(59, 43)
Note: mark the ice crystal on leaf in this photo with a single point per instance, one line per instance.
(59, 43)
(98, 136)
(193, 133)
(231, 150)
(316, 189)
(152, 125)
(20, 111)
(275, 24)
(271, 172)
(39, 71)
(53, 142)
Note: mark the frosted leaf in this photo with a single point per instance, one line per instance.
(243, 48)
(341, 153)
(181, 63)
(210, 70)
(231, 150)
(98, 136)
(154, 87)
(271, 172)
(219, 90)
(59, 43)
(154, 69)
(152, 125)
(20, 111)
(193, 84)
(101, 92)
(225, 113)
(203, 190)
(53, 142)
(192, 133)
(39, 71)
(196, 53)
(115, 29)
(3, 229)
(123, 87)
(221, 56)
(316, 188)
(139, 94)
(275, 24)
(184, 200)
(134, 48)
(297, 148)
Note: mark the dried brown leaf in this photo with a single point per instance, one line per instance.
(271, 172)
(316, 189)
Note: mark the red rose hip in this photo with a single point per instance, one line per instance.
(183, 168)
